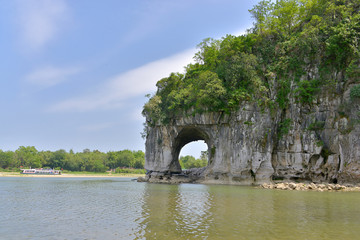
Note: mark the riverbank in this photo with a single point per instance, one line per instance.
(75, 175)
(320, 187)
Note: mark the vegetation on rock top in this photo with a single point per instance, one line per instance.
(295, 48)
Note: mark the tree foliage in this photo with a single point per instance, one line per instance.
(92, 161)
(187, 162)
(295, 48)
(355, 92)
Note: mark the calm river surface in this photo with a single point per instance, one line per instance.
(118, 208)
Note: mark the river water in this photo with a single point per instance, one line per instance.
(118, 208)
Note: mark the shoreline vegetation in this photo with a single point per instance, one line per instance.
(124, 161)
(75, 175)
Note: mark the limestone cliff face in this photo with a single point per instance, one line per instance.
(322, 144)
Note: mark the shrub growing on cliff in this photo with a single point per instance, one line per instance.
(284, 127)
(355, 92)
(316, 126)
(306, 90)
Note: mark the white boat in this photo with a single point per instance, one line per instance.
(41, 171)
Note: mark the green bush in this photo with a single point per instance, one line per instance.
(316, 126)
(306, 90)
(9, 169)
(284, 127)
(282, 97)
(355, 92)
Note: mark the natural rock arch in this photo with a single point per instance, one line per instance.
(245, 147)
(230, 160)
(188, 135)
(164, 155)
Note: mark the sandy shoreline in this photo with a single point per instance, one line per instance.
(69, 175)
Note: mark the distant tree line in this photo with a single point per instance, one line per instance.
(92, 161)
(187, 162)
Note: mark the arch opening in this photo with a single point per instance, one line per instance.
(194, 155)
(188, 135)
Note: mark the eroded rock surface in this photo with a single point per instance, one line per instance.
(246, 147)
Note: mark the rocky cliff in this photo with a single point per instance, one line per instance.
(280, 102)
(318, 142)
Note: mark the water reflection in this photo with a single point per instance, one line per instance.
(193, 205)
(175, 211)
(232, 212)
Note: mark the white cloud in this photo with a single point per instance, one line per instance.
(40, 20)
(49, 76)
(134, 83)
(130, 84)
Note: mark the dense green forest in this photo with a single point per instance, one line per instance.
(295, 48)
(91, 161)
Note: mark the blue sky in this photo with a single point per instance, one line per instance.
(74, 74)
